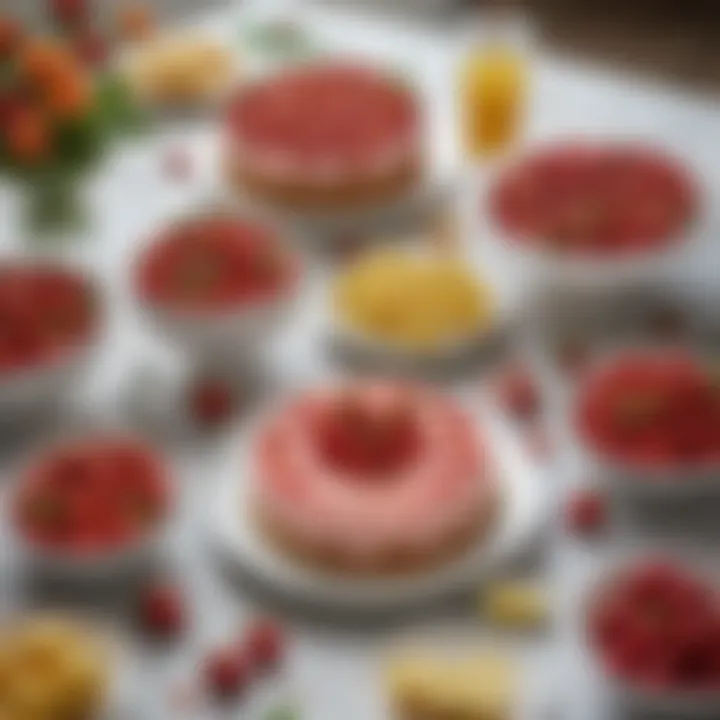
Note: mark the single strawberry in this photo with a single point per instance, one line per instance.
(162, 611)
(586, 512)
(226, 672)
(265, 644)
(211, 402)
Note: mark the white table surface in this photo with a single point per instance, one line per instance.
(334, 664)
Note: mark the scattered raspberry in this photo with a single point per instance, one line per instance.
(177, 164)
(211, 402)
(162, 611)
(265, 644)
(586, 512)
(518, 393)
(226, 671)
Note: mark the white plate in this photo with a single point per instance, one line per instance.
(524, 492)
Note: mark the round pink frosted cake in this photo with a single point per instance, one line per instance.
(328, 135)
(374, 477)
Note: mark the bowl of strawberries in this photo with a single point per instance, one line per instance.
(218, 284)
(92, 505)
(594, 213)
(653, 629)
(50, 321)
(649, 419)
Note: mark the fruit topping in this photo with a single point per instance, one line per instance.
(369, 435)
(214, 263)
(656, 409)
(92, 496)
(656, 624)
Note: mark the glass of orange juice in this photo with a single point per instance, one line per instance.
(493, 87)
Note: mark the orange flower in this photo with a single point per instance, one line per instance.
(28, 137)
(70, 98)
(46, 63)
(135, 21)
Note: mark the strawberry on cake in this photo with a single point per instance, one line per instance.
(325, 136)
(374, 477)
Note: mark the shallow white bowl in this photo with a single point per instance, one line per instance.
(230, 334)
(233, 531)
(577, 275)
(103, 565)
(31, 391)
(625, 478)
(680, 704)
(395, 355)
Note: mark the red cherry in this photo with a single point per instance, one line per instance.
(226, 671)
(265, 644)
(519, 394)
(11, 34)
(211, 402)
(586, 512)
(69, 13)
(162, 611)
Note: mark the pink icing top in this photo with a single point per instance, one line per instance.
(438, 491)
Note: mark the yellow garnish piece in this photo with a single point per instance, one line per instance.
(50, 669)
(481, 687)
(183, 69)
(417, 300)
(515, 604)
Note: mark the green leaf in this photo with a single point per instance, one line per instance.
(117, 111)
(80, 144)
(283, 38)
(283, 712)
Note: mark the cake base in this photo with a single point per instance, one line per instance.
(345, 195)
(391, 562)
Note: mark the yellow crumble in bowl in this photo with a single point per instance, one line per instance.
(414, 300)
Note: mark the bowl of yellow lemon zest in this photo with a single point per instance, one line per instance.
(413, 303)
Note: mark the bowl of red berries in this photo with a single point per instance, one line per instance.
(92, 505)
(219, 283)
(49, 323)
(649, 419)
(653, 630)
(588, 213)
